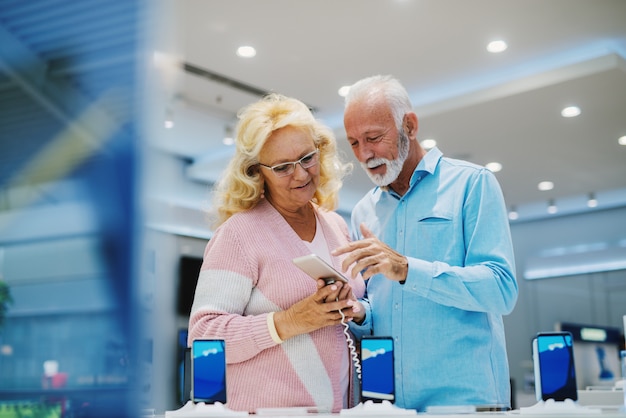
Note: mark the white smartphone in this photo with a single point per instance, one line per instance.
(317, 268)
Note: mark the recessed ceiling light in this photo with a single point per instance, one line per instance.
(622, 140)
(228, 135)
(429, 143)
(545, 185)
(343, 91)
(169, 119)
(570, 112)
(494, 167)
(552, 207)
(592, 202)
(246, 51)
(497, 46)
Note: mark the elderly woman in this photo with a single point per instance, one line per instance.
(285, 342)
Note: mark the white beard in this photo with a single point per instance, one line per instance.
(394, 167)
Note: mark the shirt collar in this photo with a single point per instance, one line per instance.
(426, 166)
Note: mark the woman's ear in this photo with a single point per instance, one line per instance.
(253, 170)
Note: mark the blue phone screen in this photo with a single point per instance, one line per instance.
(556, 363)
(377, 371)
(209, 371)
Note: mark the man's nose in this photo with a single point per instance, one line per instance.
(364, 152)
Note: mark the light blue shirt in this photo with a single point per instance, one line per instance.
(446, 319)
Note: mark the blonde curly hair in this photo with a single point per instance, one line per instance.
(241, 186)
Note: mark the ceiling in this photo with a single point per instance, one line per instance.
(478, 106)
(58, 57)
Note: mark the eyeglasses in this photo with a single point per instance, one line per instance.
(286, 169)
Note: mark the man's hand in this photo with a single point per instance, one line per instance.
(371, 256)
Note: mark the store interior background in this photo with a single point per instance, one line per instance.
(91, 246)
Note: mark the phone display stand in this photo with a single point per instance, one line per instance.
(201, 409)
(567, 407)
(384, 408)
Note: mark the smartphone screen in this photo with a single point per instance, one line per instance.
(377, 371)
(208, 371)
(554, 361)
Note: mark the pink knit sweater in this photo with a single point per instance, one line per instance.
(247, 273)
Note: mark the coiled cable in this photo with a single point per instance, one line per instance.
(353, 353)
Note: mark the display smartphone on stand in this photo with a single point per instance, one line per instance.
(377, 369)
(317, 268)
(555, 374)
(208, 371)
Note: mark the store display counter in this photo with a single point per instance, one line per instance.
(540, 410)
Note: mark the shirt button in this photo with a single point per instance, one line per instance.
(396, 306)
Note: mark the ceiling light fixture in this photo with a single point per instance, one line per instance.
(513, 215)
(552, 209)
(494, 167)
(622, 140)
(168, 123)
(496, 46)
(228, 136)
(545, 186)
(570, 112)
(429, 143)
(343, 91)
(246, 51)
(592, 202)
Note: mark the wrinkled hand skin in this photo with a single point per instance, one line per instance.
(370, 256)
(319, 310)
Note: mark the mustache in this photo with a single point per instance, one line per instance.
(375, 162)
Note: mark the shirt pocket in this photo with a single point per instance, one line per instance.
(434, 236)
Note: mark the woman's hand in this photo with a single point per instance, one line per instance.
(357, 311)
(319, 310)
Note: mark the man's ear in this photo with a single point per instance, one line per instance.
(410, 124)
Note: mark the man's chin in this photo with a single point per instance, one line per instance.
(389, 173)
(378, 179)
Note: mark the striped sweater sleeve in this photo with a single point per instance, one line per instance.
(223, 291)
